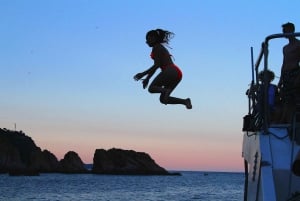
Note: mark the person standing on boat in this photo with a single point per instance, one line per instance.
(290, 72)
(170, 76)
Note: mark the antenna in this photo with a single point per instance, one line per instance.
(252, 64)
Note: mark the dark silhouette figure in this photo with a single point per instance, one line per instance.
(170, 76)
(289, 82)
(272, 93)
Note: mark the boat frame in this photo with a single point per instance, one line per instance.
(269, 150)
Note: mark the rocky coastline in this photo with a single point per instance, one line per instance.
(19, 155)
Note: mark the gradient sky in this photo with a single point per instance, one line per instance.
(67, 70)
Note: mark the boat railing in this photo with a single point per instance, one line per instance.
(258, 117)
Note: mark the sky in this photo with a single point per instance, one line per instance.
(67, 70)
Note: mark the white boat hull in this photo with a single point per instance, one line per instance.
(269, 157)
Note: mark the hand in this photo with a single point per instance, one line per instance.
(145, 83)
(138, 76)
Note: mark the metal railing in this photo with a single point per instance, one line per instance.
(258, 100)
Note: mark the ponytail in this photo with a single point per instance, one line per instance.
(163, 36)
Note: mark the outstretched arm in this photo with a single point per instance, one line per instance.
(156, 51)
(149, 74)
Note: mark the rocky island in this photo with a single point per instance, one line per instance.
(19, 155)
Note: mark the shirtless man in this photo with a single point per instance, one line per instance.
(290, 73)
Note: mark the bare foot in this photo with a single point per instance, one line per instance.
(188, 103)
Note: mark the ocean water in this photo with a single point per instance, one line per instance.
(191, 186)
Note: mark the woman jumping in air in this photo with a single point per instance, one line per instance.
(170, 76)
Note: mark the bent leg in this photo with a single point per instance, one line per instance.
(157, 84)
(164, 83)
(170, 85)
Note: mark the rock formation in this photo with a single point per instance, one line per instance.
(118, 161)
(71, 163)
(9, 155)
(19, 155)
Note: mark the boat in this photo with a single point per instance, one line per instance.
(270, 151)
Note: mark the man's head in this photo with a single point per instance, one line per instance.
(288, 28)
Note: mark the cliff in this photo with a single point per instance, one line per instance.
(19, 155)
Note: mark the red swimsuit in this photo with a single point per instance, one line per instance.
(179, 73)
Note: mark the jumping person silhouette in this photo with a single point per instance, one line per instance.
(170, 76)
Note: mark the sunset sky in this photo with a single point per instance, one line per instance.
(67, 70)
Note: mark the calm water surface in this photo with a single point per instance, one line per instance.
(60, 187)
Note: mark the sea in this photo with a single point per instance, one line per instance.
(190, 186)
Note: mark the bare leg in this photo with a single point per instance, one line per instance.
(164, 84)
